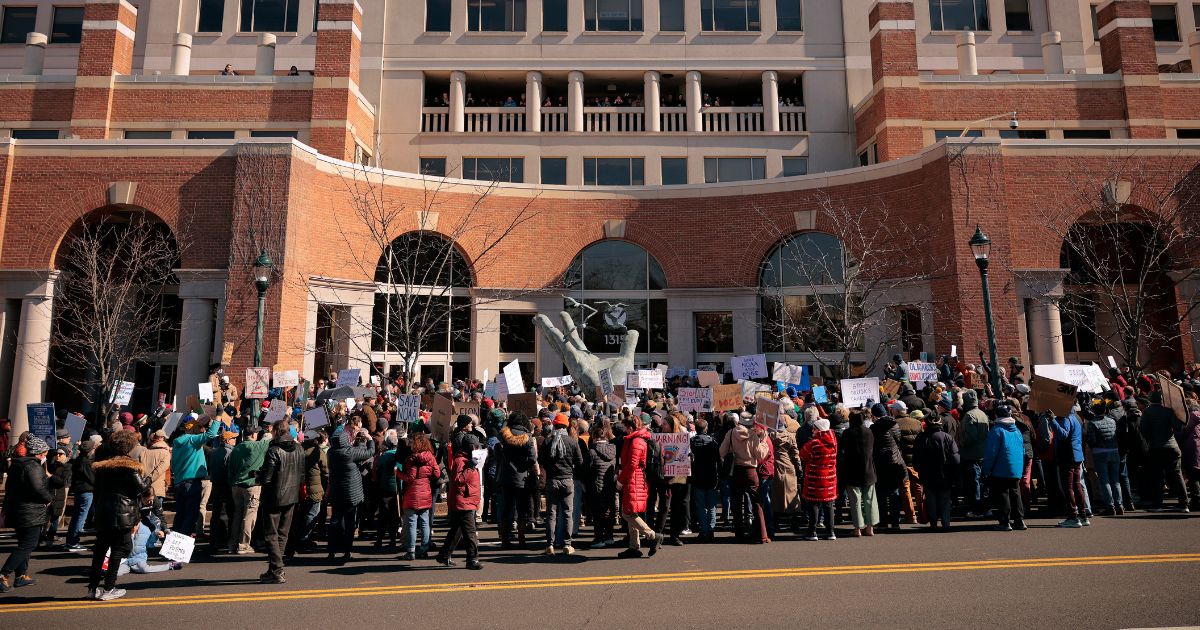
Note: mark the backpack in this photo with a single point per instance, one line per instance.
(655, 470)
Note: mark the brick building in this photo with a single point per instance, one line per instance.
(125, 120)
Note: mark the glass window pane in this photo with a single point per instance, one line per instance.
(460, 325)
(954, 133)
(637, 171)
(554, 171)
(795, 166)
(734, 169)
(137, 134)
(272, 133)
(610, 320)
(714, 332)
(959, 15)
(1086, 134)
(437, 16)
(674, 171)
(787, 15)
(423, 259)
(770, 320)
(670, 15)
(658, 326)
(807, 259)
(212, 15)
(729, 15)
(206, 134)
(1016, 15)
(710, 170)
(433, 166)
(35, 134)
(589, 171)
(18, 22)
(496, 15)
(1166, 27)
(68, 25)
(516, 333)
(614, 265)
(554, 16)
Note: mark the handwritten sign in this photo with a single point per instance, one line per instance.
(408, 407)
(466, 409)
(443, 417)
(650, 379)
(1047, 394)
(177, 547)
(920, 372)
(766, 412)
(512, 378)
(287, 378)
(560, 381)
(708, 378)
(525, 403)
(1173, 398)
(606, 384)
(790, 374)
(258, 382)
(749, 367)
(1088, 378)
(348, 378)
(891, 388)
(121, 393)
(727, 397)
(206, 391)
(696, 399)
(676, 450)
(860, 392)
(820, 394)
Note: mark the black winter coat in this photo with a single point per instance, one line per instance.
(601, 472)
(60, 481)
(345, 480)
(82, 477)
(27, 493)
(706, 461)
(936, 459)
(889, 462)
(910, 429)
(120, 487)
(282, 473)
(562, 467)
(516, 456)
(856, 457)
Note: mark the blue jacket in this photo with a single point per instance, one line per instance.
(1068, 431)
(1004, 453)
(187, 455)
(144, 541)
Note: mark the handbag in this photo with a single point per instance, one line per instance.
(727, 466)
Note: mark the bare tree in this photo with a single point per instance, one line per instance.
(831, 291)
(1130, 229)
(109, 311)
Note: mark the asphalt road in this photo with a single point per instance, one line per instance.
(1140, 570)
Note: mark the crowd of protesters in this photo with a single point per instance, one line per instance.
(929, 455)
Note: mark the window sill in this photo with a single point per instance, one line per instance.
(495, 33)
(275, 33)
(587, 32)
(438, 33)
(791, 33)
(742, 33)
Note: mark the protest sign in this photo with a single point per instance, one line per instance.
(860, 392)
(466, 408)
(631, 380)
(408, 408)
(1173, 398)
(606, 384)
(348, 378)
(193, 403)
(727, 397)
(790, 374)
(650, 379)
(501, 392)
(315, 417)
(489, 390)
(258, 382)
(177, 547)
(42, 421)
(75, 424)
(1088, 378)
(526, 403)
(1112, 362)
(920, 372)
(676, 450)
(277, 412)
(121, 393)
(287, 378)
(512, 378)
(1047, 394)
(891, 388)
(210, 411)
(172, 422)
(206, 391)
(696, 399)
(443, 418)
(766, 412)
(750, 388)
(707, 378)
(749, 367)
(820, 395)
(617, 397)
(560, 381)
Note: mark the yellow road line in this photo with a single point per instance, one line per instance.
(695, 576)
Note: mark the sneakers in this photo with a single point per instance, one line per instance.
(408, 557)
(1118, 510)
(1019, 526)
(1002, 527)
(446, 562)
(4, 585)
(568, 550)
(810, 537)
(108, 596)
(1070, 523)
(549, 551)
(630, 553)
(271, 578)
(24, 580)
(174, 566)
(599, 544)
(76, 548)
(658, 543)
(829, 537)
(1086, 522)
(474, 565)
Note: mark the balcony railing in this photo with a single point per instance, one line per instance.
(604, 120)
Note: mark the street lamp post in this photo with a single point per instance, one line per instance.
(981, 248)
(262, 281)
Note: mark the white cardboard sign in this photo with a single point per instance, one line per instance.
(287, 378)
(859, 392)
(177, 547)
(206, 391)
(696, 399)
(749, 367)
(512, 379)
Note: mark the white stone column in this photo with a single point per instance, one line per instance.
(1193, 40)
(359, 333)
(485, 342)
(651, 99)
(1042, 288)
(35, 54)
(1052, 53)
(195, 347)
(11, 313)
(1187, 284)
(458, 100)
(694, 101)
(32, 358)
(770, 99)
(264, 63)
(533, 101)
(181, 55)
(575, 101)
(967, 63)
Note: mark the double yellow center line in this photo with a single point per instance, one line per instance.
(652, 578)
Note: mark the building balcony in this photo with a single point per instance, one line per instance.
(612, 120)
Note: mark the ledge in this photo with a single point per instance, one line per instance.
(215, 79)
(37, 78)
(1020, 78)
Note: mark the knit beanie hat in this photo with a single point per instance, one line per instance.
(35, 445)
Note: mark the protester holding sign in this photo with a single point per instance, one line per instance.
(747, 445)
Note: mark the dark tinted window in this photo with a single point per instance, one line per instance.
(614, 171)
(959, 15)
(1086, 134)
(496, 15)
(433, 166)
(18, 22)
(137, 134)
(674, 171)
(494, 169)
(670, 15)
(517, 333)
(270, 15)
(729, 15)
(423, 259)
(1016, 15)
(212, 15)
(1166, 25)
(437, 16)
(554, 16)
(203, 134)
(35, 134)
(804, 260)
(787, 15)
(554, 171)
(68, 25)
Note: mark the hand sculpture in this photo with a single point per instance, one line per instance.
(584, 366)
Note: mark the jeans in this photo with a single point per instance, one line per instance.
(245, 505)
(1165, 468)
(1108, 468)
(577, 508)
(559, 499)
(462, 528)
(18, 560)
(704, 500)
(817, 510)
(277, 525)
(341, 528)
(120, 541)
(1006, 500)
(972, 470)
(141, 566)
(864, 511)
(83, 506)
(937, 505)
(411, 519)
(889, 506)
(1126, 486)
(513, 503)
(187, 506)
(1069, 475)
(764, 499)
(156, 517)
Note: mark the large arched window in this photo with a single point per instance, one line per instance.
(618, 286)
(802, 284)
(423, 307)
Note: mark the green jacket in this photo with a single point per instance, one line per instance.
(244, 462)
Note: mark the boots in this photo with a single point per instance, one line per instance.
(522, 527)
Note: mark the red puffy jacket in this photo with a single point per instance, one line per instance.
(820, 467)
(463, 491)
(633, 472)
(419, 470)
